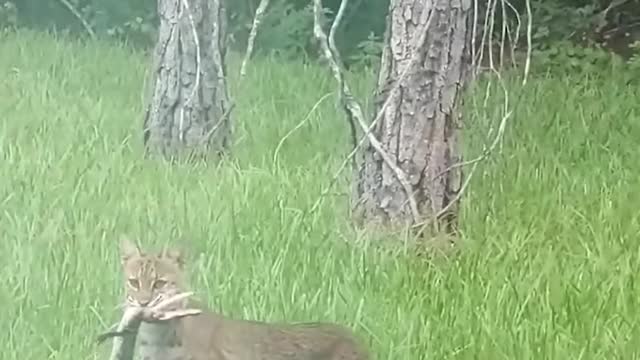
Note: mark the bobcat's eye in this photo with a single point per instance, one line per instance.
(134, 283)
(158, 284)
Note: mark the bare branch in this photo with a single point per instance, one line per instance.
(527, 64)
(215, 128)
(351, 106)
(337, 21)
(126, 331)
(475, 162)
(516, 32)
(419, 37)
(507, 107)
(257, 19)
(79, 16)
(601, 18)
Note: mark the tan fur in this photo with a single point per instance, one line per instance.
(150, 278)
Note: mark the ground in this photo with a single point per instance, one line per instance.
(550, 223)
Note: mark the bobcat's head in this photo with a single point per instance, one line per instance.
(150, 278)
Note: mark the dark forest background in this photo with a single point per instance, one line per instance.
(565, 34)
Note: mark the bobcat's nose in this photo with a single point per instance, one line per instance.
(144, 300)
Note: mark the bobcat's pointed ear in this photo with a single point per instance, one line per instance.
(173, 255)
(128, 249)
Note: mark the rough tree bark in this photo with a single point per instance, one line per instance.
(426, 56)
(187, 109)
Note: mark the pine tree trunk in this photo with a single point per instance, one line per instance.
(420, 127)
(187, 110)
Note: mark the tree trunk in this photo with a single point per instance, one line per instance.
(187, 110)
(419, 128)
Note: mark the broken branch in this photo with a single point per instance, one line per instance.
(124, 335)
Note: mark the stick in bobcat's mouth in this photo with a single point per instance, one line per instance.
(133, 315)
(126, 331)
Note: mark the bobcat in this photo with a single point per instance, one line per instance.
(150, 278)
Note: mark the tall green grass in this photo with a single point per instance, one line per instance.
(551, 221)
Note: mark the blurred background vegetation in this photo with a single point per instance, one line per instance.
(551, 270)
(566, 34)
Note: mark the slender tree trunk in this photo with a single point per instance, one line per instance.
(187, 110)
(428, 42)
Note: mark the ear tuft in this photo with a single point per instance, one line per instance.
(128, 249)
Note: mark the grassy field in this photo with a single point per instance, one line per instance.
(551, 222)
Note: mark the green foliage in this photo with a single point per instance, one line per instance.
(558, 22)
(567, 57)
(140, 30)
(561, 31)
(575, 36)
(368, 51)
(287, 28)
(551, 223)
(8, 15)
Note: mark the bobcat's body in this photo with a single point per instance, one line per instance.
(210, 336)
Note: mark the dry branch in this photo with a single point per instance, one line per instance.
(527, 63)
(419, 37)
(124, 335)
(80, 18)
(257, 19)
(350, 105)
(354, 112)
(507, 108)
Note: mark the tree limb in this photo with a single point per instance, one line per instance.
(350, 105)
(257, 19)
(82, 20)
(418, 37)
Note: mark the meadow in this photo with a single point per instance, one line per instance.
(550, 223)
